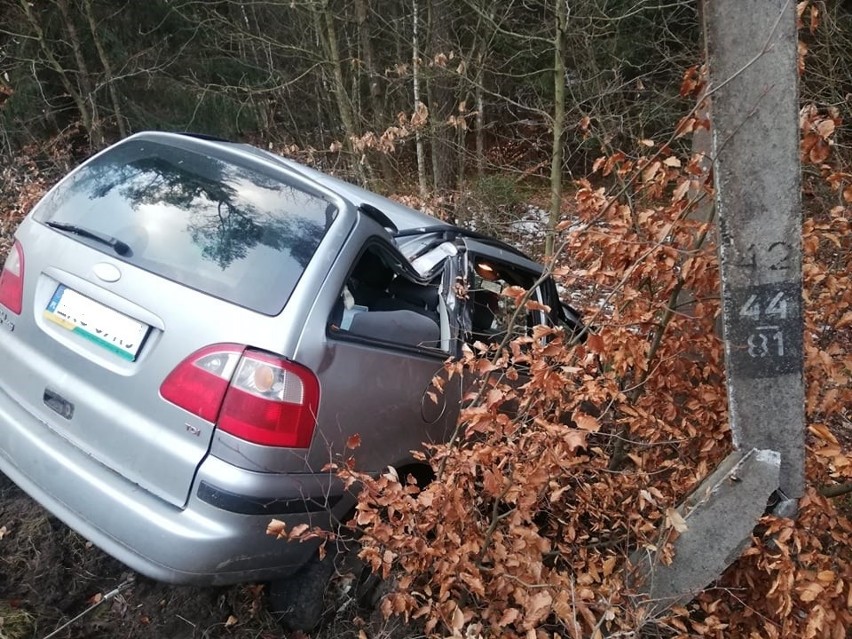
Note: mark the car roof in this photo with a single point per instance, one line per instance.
(404, 217)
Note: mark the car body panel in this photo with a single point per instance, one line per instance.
(85, 431)
(197, 544)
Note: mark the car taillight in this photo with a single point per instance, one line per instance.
(12, 280)
(271, 401)
(255, 396)
(199, 382)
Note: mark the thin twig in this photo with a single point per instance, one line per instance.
(836, 490)
(112, 593)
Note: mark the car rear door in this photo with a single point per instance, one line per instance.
(380, 335)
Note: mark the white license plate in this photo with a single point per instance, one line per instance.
(104, 326)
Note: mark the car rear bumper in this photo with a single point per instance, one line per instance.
(219, 537)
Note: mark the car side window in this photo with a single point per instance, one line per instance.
(562, 315)
(491, 312)
(380, 304)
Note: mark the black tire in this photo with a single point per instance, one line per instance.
(297, 602)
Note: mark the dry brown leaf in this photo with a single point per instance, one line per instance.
(538, 607)
(458, 619)
(510, 615)
(823, 432)
(513, 292)
(825, 128)
(587, 422)
(675, 520)
(420, 115)
(595, 343)
(298, 530)
(814, 25)
(651, 171)
(680, 191)
(277, 528)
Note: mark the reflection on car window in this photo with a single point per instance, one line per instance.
(378, 303)
(219, 227)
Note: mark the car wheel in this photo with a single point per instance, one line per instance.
(297, 602)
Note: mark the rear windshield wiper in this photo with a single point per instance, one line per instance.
(122, 248)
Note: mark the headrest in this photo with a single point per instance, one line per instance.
(484, 305)
(402, 327)
(417, 294)
(371, 271)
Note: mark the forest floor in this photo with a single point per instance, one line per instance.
(49, 575)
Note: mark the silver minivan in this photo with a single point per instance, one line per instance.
(191, 329)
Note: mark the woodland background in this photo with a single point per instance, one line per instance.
(566, 127)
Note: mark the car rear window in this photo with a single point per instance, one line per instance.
(217, 226)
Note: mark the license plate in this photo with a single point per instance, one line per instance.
(114, 331)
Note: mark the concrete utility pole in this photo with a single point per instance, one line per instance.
(751, 46)
(752, 52)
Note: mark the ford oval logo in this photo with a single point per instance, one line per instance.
(107, 272)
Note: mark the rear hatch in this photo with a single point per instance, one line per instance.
(154, 249)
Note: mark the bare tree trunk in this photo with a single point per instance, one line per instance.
(481, 55)
(108, 77)
(328, 33)
(442, 99)
(79, 102)
(84, 80)
(558, 124)
(461, 159)
(418, 105)
(480, 121)
(375, 86)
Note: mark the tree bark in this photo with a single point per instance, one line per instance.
(79, 102)
(442, 100)
(558, 124)
(375, 88)
(328, 34)
(418, 135)
(108, 76)
(836, 490)
(480, 121)
(84, 79)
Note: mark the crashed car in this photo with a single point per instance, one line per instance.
(191, 329)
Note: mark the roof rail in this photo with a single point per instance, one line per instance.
(378, 216)
(202, 136)
(456, 231)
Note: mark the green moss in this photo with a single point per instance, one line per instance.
(15, 623)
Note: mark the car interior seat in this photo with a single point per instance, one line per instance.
(408, 295)
(484, 307)
(401, 327)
